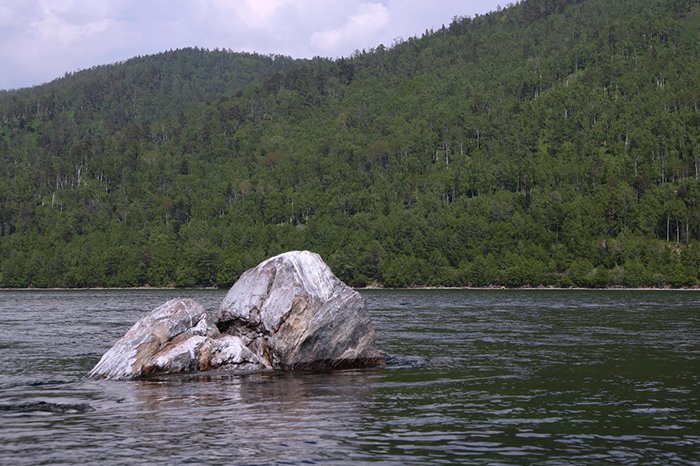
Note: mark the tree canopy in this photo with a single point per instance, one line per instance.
(553, 142)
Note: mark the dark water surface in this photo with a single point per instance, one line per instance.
(474, 376)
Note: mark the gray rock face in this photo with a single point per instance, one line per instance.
(289, 312)
(177, 336)
(294, 313)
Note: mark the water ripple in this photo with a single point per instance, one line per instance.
(488, 376)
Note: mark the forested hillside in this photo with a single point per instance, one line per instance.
(555, 142)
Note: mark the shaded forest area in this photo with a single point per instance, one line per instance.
(553, 143)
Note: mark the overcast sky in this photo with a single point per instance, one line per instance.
(40, 40)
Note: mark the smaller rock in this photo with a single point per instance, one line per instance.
(178, 336)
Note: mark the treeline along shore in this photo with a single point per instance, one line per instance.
(553, 143)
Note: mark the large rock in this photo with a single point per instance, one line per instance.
(289, 312)
(294, 313)
(178, 336)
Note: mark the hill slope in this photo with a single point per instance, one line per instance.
(552, 143)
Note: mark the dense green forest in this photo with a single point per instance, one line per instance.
(553, 143)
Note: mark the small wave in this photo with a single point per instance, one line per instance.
(403, 362)
(41, 383)
(44, 407)
(23, 383)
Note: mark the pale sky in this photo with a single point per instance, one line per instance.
(41, 40)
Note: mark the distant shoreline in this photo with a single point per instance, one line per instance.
(373, 288)
(531, 288)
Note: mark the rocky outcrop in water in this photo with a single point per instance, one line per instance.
(289, 312)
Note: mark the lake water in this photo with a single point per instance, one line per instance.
(474, 376)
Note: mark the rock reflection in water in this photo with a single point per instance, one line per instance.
(264, 417)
